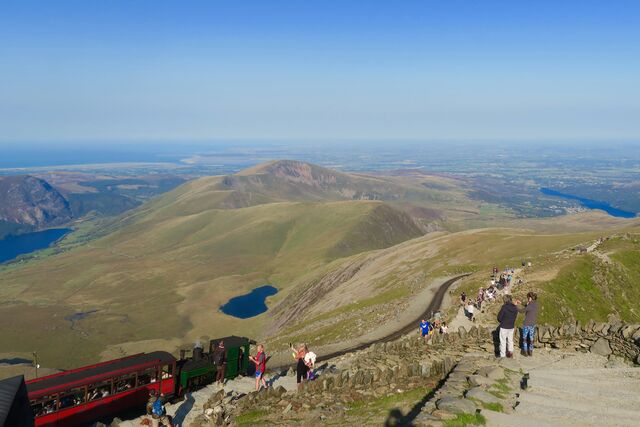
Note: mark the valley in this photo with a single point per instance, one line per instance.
(347, 252)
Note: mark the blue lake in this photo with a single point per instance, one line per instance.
(249, 305)
(13, 246)
(591, 204)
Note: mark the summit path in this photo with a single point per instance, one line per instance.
(570, 389)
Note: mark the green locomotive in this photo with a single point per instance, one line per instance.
(200, 369)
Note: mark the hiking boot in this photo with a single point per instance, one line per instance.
(523, 352)
(509, 355)
(530, 353)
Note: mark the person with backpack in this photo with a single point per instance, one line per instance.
(261, 364)
(220, 359)
(155, 408)
(507, 318)
(530, 311)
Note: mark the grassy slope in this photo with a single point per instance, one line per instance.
(170, 259)
(335, 302)
(158, 273)
(590, 288)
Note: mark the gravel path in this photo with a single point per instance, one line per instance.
(570, 389)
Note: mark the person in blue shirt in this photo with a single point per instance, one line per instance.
(425, 328)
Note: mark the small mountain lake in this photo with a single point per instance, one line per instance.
(13, 246)
(590, 204)
(249, 305)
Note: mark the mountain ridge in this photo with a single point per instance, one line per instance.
(27, 202)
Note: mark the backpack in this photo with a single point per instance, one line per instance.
(158, 408)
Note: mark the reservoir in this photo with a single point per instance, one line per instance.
(591, 204)
(13, 246)
(249, 305)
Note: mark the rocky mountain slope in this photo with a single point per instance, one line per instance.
(27, 202)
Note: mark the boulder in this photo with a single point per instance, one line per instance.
(628, 331)
(462, 332)
(492, 372)
(456, 405)
(615, 328)
(358, 378)
(480, 395)
(473, 332)
(479, 380)
(280, 390)
(601, 347)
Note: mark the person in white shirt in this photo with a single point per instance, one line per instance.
(470, 310)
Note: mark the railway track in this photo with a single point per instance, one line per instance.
(434, 305)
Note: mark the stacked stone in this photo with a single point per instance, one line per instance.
(467, 390)
(615, 340)
(464, 358)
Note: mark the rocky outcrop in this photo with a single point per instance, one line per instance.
(31, 201)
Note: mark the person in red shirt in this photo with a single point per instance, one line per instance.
(261, 361)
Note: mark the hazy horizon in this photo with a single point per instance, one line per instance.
(99, 72)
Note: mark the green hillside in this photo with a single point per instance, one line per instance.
(161, 271)
(347, 252)
(594, 286)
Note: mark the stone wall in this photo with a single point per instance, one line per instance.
(408, 363)
(607, 339)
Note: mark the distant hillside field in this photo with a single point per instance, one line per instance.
(347, 252)
(161, 271)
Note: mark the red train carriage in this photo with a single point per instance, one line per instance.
(86, 394)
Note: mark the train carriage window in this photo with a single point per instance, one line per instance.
(72, 397)
(45, 405)
(167, 371)
(124, 383)
(99, 390)
(147, 376)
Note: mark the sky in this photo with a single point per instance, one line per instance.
(98, 71)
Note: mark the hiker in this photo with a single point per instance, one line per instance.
(220, 359)
(443, 328)
(530, 311)
(469, 310)
(155, 408)
(310, 362)
(463, 298)
(424, 330)
(437, 318)
(507, 318)
(301, 368)
(261, 363)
